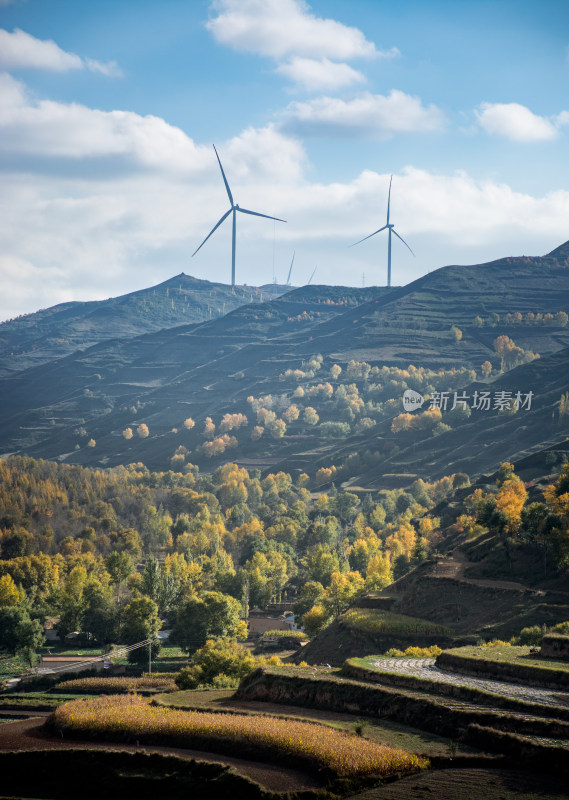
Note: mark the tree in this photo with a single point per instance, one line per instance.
(99, 618)
(310, 416)
(213, 616)
(321, 563)
(119, 566)
(30, 637)
(127, 433)
(343, 589)
(140, 622)
(217, 658)
(486, 369)
(189, 424)
(310, 595)
(379, 573)
(315, 620)
(142, 430)
(10, 594)
(277, 429)
(209, 428)
(335, 371)
(455, 334)
(10, 619)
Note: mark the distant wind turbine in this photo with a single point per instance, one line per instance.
(391, 228)
(290, 270)
(234, 208)
(313, 274)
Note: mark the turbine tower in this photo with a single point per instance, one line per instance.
(391, 228)
(233, 210)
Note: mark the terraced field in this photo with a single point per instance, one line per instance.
(426, 668)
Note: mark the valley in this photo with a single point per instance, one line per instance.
(236, 513)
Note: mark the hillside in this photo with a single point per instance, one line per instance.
(51, 333)
(252, 359)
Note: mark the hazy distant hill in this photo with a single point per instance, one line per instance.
(225, 365)
(54, 332)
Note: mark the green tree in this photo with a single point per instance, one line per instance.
(212, 616)
(30, 637)
(99, 617)
(140, 622)
(310, 595)
(10, 619)
(119, 566)
(217, 658)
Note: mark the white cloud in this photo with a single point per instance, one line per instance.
(373, 116)
(515, 122)
(72, 229)
(21, 50)
(281, 28)
(47, 129)
(318, 75)
(311, 50)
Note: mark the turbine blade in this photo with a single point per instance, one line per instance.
(224, 217)
(310, 279)
(224, 178)
(290, 270)
(389, 199)
(403, 240)
(369, 237)
(256, 214)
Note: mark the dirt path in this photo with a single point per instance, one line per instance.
(425, 668)
(30, 735)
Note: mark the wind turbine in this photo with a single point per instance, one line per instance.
(233, 210)
(391, 228)
(313, 274)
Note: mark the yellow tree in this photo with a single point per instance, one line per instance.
(10, 594)
(510, 499)
(379, 573)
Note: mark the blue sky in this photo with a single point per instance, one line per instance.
(108, 111)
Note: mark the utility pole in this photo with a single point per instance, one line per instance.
(150, 656)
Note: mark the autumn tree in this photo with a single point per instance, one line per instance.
(310, 417)
(142, 430)
(486, 369)
(127, 433)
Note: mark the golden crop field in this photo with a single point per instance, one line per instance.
(346, 755)
(163, 684)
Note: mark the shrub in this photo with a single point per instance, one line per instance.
(531, 636)
(215, 658)
(415, 652)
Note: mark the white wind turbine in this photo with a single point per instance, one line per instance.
(391, 228)
(233, 210)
